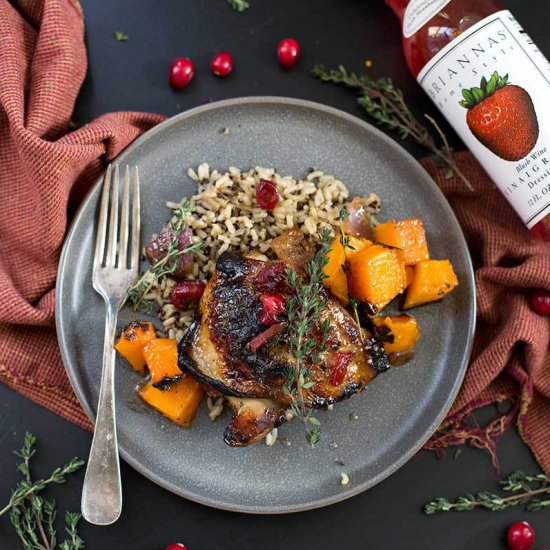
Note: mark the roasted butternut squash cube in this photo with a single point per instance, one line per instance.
(336, 279)
(132, 341)
(179, 402)
(409, 272)
(377, 275)
(408, 235)
(161, 356)
(432, 281)
(339, 285)
(402, 332)
(355, 245)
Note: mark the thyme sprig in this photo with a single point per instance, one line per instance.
(239, 5)
(385, 103)
(528, 490)
(304, 309)
(32, 516)
(167, 265)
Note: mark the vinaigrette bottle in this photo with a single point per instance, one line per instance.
(492, 84)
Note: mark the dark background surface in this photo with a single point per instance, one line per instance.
(133, 76)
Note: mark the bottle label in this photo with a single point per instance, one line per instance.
(493, 85)
(418, 13)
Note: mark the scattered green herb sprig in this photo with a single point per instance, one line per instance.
(32, 516)
(385, 104)
(121, 36)
(239, 5)
(304, 309)
(528, 490)
(167, 265)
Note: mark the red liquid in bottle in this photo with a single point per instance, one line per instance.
(430, 26)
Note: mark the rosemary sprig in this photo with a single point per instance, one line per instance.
(32, 516)
(165, 266)
(304, 310)
(239, 5)
(386, 105)
(527, 488)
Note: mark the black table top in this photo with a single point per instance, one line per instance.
(133, 76)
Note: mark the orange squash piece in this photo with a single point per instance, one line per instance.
(404, 330)
(132, 341)
(335, 258)
(409, 272)
(408, 235)
(355, 245)
(377, 275)
(336, 279)
(179, 402)
(161, 356)
(432, 280)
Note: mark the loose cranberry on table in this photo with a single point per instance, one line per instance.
(185, 293)
(288, 52)
(182, 71)
(267, 196)
(540, 302)
(273, 306)
(222, 64)
(176, 546)
(521, 536)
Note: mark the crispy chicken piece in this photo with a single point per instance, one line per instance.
(293, 248)
(216, 349)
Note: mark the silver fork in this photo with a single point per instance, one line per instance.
(113, 272)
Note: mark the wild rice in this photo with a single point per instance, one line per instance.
(225, 216)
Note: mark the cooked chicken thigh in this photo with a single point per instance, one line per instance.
(217, 349)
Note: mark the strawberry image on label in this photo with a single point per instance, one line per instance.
(502, 117)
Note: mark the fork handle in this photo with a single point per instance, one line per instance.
(102, 490)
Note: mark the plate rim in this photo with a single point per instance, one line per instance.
(353, 489)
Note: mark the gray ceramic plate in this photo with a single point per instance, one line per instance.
(396, 414)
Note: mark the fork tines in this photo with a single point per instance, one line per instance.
(113, 250)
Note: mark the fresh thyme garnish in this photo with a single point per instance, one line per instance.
(32, 516)
(121, 37)
(344, 239)
(167, 265)
(386, 105)
(239, 5)
(526, 487)
(304, 309)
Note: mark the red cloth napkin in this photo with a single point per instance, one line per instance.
(45, 170)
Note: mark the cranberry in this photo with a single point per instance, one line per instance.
(273, 306)
(272, 278)
(288, 52)
(182, 71)
(521, 536)
(266, 195)
(176, 546)
(185, 293)
(540, 302)
(222, 64)
(339, 363)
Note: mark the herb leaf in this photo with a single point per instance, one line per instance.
(32, 516)
(525, 487)
(167, 265)
(304, 309)
(385, 104)
(121, 37)
(239, 5)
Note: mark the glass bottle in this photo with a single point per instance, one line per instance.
(492, 84)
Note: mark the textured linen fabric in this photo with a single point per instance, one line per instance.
(43, 169)
(46, 170)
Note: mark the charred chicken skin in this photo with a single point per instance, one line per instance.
(218, 351)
